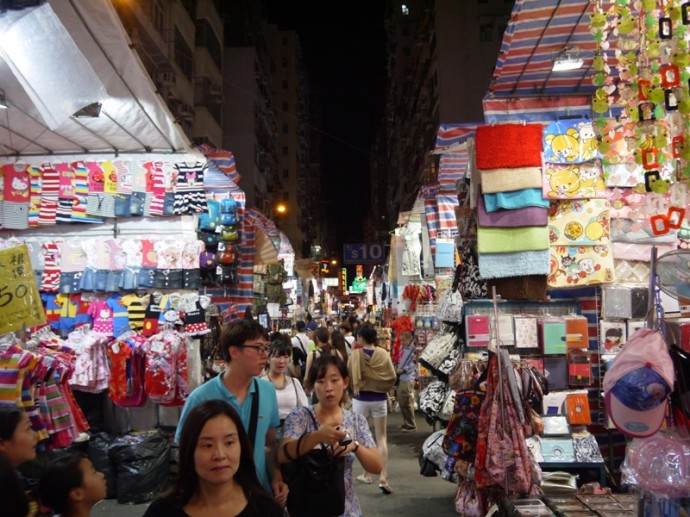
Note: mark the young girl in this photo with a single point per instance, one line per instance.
(17, 446)
(216, 469)
(329, 378)
(71, 486)
(323, 347)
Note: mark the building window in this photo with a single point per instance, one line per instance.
(286, 174)
(285, 106)
(405, 9)
(285, 85)
(486, 32)
(285, 150)
(285, 128)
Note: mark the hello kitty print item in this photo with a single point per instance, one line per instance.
(102, 316)
(17, 190)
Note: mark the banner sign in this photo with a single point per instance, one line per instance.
(20, 301)
(364, 253)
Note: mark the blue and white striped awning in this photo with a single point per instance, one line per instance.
(537, 32)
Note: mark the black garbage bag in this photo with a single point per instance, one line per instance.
(143, 463)
(99, 454)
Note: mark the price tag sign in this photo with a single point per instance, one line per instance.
(20, 301)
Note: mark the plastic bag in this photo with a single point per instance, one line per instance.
(99, 454)
(659, 464)
(142, 466)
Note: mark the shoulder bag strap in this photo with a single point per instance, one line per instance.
(254, 414)
(302, 345)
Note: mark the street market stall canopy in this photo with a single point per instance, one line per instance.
(62, 56)
(538, 32)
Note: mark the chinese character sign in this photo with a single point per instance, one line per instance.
(20, 301)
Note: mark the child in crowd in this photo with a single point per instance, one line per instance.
(71, 486)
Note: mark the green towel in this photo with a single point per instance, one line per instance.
(504, 240)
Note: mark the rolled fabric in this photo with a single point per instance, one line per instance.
(508, 145)
(515, 199)
(519, 263)
(527, 216)
(509, 179)
(504, 240)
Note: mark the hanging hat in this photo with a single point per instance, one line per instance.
(638, 384)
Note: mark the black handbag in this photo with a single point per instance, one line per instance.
(316, 481)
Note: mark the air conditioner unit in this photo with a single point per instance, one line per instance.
(167, 78)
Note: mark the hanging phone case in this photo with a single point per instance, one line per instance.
(579, 369)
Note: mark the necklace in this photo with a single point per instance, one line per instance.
(285, 382)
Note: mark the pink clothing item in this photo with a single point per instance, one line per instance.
(96, 176)
(67, 177)
(102, 316)
(17, 183)
(118, 257)
(50, 280)
(149, 254)
(124, 176)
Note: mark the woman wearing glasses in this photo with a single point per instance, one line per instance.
(245, 348)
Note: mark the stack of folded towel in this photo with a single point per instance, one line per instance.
(512, 232)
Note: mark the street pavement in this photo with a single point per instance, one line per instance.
(412, 495)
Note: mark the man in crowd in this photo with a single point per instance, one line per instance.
(407, 370)
(244, 344)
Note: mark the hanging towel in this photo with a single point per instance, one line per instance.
(504, 240)
(515, 199)
(508, 145)
(528, 216)
(509, 179)
(519, 263)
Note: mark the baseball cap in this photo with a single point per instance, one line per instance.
(638, 384)
(312, 325)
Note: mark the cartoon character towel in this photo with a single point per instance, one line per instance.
(574, 181)
(584, 221)
(581, 265)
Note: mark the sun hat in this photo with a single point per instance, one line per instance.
(638, 384)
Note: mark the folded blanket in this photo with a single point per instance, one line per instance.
(504, 240)
(515, 199)
(508, 179)
(519, 263)
(639, 232)
(508, 145)
(528, 216)
(642, 252)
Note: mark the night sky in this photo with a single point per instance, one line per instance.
(343, 45)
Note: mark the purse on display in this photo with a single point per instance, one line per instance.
(557, 450)
(450, 306)
(437, 350)
(210, 219)
(559, 483)
(226, 254)
(431, 399)
(577, 408)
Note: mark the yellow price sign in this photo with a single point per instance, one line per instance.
(20, 301)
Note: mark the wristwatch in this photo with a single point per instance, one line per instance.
(356, 446)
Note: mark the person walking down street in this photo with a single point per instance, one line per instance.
(217, 475)
(373, 376)
(323, 346)
(288, 389)
(244, 344)
(338, 342)
(407, 370)
(327, 422)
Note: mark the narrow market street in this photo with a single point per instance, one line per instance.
(413, 494)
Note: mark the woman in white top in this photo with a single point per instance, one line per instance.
(288, 389)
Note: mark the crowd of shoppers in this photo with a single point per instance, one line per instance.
(237, 429)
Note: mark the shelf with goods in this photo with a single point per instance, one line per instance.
(426, 327)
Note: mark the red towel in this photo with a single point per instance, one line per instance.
(509, 145)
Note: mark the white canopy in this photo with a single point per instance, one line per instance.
(61, 56)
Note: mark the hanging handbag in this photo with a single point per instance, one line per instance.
(448, 364)
(431, 399)
(460, 439)
(467, 500)
(450, 307)
(437, 350)
(316, 480)
(471, 285)
(446, 412)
